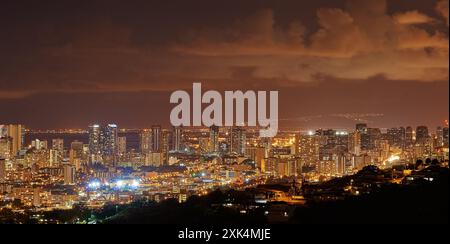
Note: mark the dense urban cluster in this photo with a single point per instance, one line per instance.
(104, 167)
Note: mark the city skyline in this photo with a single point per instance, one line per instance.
(91, 172)
(332, 61)
(292, 129)
(224, 113)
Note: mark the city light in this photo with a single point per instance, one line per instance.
(120, 184)
(94, 185)
(240, 113)
(393, 158)
(135, 183)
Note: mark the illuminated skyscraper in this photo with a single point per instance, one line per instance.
(54, 158)
(396, 136)
(145, 141)
(364, 136)
(355, 143)
(257, 154)
(39, 145)
(110, 140)
(77, 146)
(327, 144)
(95, 136)
(342, 142)
(237, 140)
(3, 131)
(5, 147)
(308, 148)
(439, 136)
(214, 139)
(177, 141)
(369, 139)
(2, 169)
(69, 174)
(156, 138)
(76, 152)
(445, 136)
(340, 164)
(422, 134)
(58, 145)
(166, 144)
(103, 142)
(409, 136)
(16, 133)
(122, 145)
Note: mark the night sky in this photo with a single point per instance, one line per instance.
(66, 64)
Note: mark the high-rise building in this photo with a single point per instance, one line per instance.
(439, 136)
(103, 143)
(110, 140)
(122, 144)
(442, 136)
(76, 152)
(156, 138)
(364, 136)
(69, 172)
(3, 131)
(54, 158)
(422, 135)
(308, 148)
(16, 133)
(409, 136)
(58, 145)
(257, 154)
(77, 146)
(445, 136)
(2, 169)
(177, 141)
(341, 142)
(355, 143)
(154, 159)
(5, 147)
(95, 137)
(332, 142)
(373, 134)
(396, 137)
(287, 168)
(145, 142)
(237, 140)
(39, 145)
(361, 128)
(213, 139)
(166, 144)
(340, 164)
(57, 152)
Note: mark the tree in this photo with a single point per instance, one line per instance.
(17, 203)
(419, 163)
(435, 162)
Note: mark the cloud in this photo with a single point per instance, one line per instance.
(281, 45)
(338, 35)
(247, 36)
(412, 17)
(442, 9)
(416, 38)
(357, 42)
